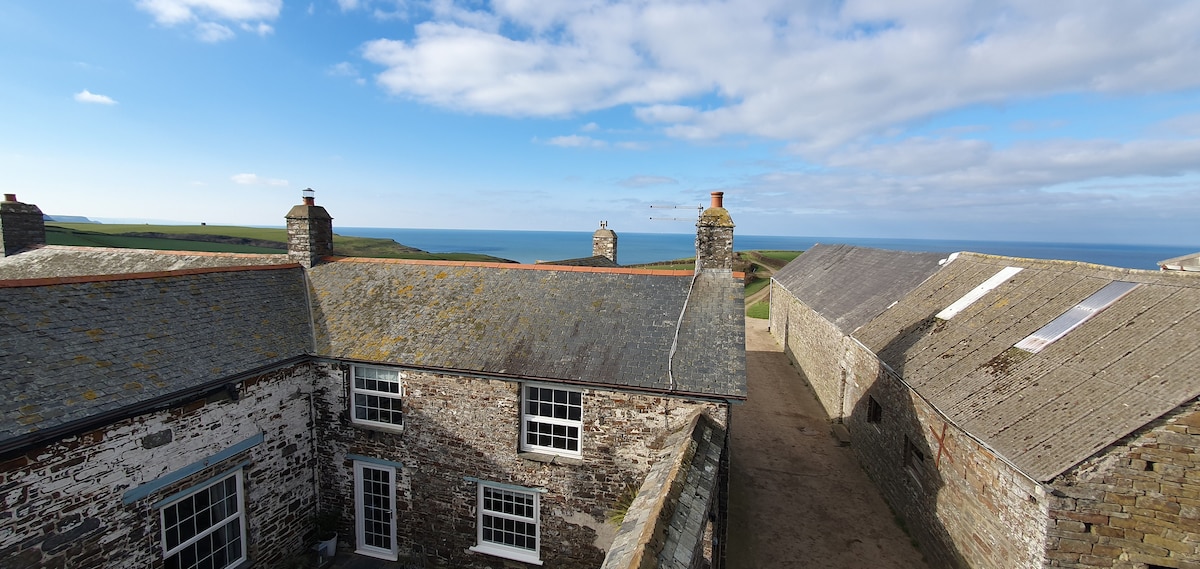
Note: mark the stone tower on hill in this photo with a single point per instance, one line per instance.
(714, 236)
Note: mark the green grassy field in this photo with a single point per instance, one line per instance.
(274, 240)
(760, 309)
(59, 235)
(265, 240)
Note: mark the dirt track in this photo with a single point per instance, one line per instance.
(797, 498)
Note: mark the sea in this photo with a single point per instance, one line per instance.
(640, 248)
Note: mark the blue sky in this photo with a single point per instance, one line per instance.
(993, 120)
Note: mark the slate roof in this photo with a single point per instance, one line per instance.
(1045, 412)
(849, 285)
(593, 261)
(71, 349)
(592, 326)
(63, 261)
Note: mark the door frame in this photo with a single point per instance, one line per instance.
(360, 547)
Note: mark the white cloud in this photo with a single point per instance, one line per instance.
(647, 181)
(260, 28)
(816, 74)
(86, 96)
(576, 141)
(385, 9)
(589, 127)
(346, 69)
(255, 180)
(209, 17)
(212, 32)
(1098, 191)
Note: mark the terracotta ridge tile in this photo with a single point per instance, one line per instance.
(518, 266)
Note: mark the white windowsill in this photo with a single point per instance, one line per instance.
(507, 553)
(538, 456)
(380, 427)
(377, 554)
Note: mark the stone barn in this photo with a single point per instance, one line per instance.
(176, 409)
(1014, 412)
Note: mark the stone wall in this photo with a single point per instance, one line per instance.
(604, 243)
(1135, 505)
(964, 505)
(457, 427)
(310, 234)
(21, 226)
(814, 344)
(63, 503)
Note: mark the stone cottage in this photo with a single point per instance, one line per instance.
(1014, 412)
(177, 409)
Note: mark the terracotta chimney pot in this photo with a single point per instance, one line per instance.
(718, 198)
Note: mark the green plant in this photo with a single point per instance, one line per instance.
(326, 524)
(616, 515)
(759, 310)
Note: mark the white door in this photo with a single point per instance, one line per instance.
(375, 510)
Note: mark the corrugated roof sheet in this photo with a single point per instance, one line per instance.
(850, 285)
(596, 326)
(77, 349)
(1045, 412)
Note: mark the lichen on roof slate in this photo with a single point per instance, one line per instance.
(77, 349)
(53, 261)
(603, 327)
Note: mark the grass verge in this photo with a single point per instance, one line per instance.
(761, 310)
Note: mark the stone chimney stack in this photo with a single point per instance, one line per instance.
(21, 226)
(310, 231)
(604, 242)
(714, 236)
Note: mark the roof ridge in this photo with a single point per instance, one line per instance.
(20, 283)
(518, 266)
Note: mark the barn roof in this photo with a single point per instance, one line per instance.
(1047, 411)
(850, 285)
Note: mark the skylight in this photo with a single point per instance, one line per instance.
(978, 292)
(1077, 315)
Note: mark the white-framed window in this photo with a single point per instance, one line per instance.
(375, 397)
(551, 420)
(206, 527)
(508, 524)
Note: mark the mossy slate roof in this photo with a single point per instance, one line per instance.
(611, 327)
(68, 261)
(75, 348)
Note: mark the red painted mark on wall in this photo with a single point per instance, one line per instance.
(937, 462)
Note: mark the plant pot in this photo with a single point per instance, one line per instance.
(328, 547)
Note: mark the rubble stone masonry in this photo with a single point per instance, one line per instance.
(965, 506)
(1135, 505)
(66, 504)
(457, 427)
